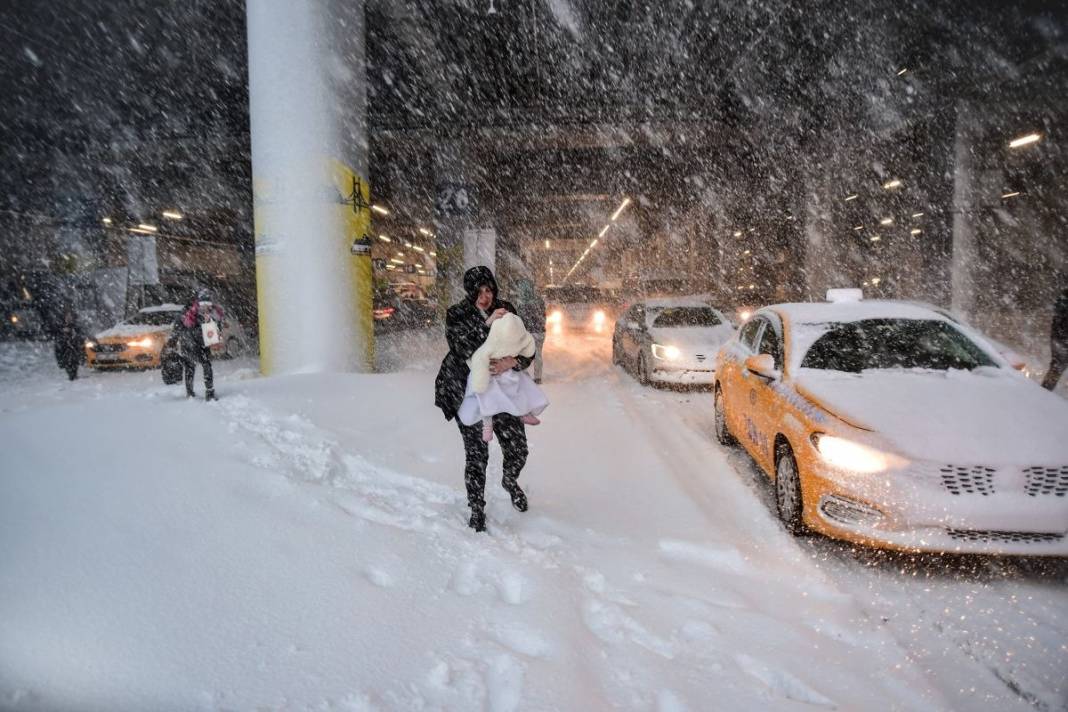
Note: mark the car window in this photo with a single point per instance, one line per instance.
(153, 318)
(683, 317)
(894, 343)
(771, 343)
(749, 333)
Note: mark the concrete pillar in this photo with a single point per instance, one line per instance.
(963, 259)
(307, 106)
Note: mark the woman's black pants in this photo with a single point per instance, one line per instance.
(512, 435)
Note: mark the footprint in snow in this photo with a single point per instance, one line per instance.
(782, 683)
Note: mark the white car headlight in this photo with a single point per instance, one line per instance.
(852, 456)
(666, 353)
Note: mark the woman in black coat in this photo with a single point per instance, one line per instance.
(465, 330)
(69, 343)
(189, 338)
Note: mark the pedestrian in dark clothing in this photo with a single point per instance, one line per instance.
(70, 343)
(1058, 337)
(465, 331)
(532, 312)
(188, 336)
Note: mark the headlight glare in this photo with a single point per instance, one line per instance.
(666, 353)
(144, 343)
(852, 456)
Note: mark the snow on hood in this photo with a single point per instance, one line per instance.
(694, 337)
(124, 331)
(987, 416)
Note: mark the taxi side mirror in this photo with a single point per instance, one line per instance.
(763, 365)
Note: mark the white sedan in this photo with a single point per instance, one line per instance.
(671, 341)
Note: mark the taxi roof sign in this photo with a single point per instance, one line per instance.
(840, 296)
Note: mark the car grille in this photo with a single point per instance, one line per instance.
(977, 535)
(109, 348)
(1046, 480)
(964, 479)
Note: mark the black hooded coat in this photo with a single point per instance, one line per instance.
(466, 330)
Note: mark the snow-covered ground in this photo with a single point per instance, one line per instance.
(302, 544)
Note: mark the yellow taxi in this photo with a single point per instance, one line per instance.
(138, 341)
(894, 425)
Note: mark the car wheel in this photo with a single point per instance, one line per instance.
(788, 490)
(723, 433)
(643, 371)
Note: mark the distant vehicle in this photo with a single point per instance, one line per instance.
(670, 340)
(138, 341)
(893, 425)
(394, 311)
(579, 308)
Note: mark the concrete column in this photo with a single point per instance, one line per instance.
(963, 259)
(456, 215)
(307, 106)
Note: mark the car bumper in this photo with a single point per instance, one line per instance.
(913, 511)
(123, 359)
(683, 376)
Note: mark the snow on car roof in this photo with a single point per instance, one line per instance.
(826, 312)
(693, 300)
(161, 308)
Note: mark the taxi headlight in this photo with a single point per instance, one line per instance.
(666, 353)
(852, 456)
(144, 343)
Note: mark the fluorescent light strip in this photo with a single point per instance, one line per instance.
(1025, 140)
(625, 203)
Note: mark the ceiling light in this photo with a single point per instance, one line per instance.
(433, 254)
(395, 261)
(737, 233)
(886, 221)
(1025, 140)
(915, 231)
(852, 197)
(859, 227)
(903, 70)
(895, 183)
(603, 231)
(141, 231)
(747, 252)
(408, 245)
(426, 232)
(172, 215)
(917, 215)
(547, 245)
(624, 204)
(380, 210)
(383, 238)
(106, 221)
(148, 228)
(1010, 195)
(875, 238)
(417, 248)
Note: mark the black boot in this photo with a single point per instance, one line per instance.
(519, 499)
(478, 519)
(210, 396)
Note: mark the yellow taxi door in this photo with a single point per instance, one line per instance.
(741, 399)
(766, 405)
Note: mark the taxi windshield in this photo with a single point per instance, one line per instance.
(894, 343)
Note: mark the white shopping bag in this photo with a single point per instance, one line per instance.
(210, 330)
